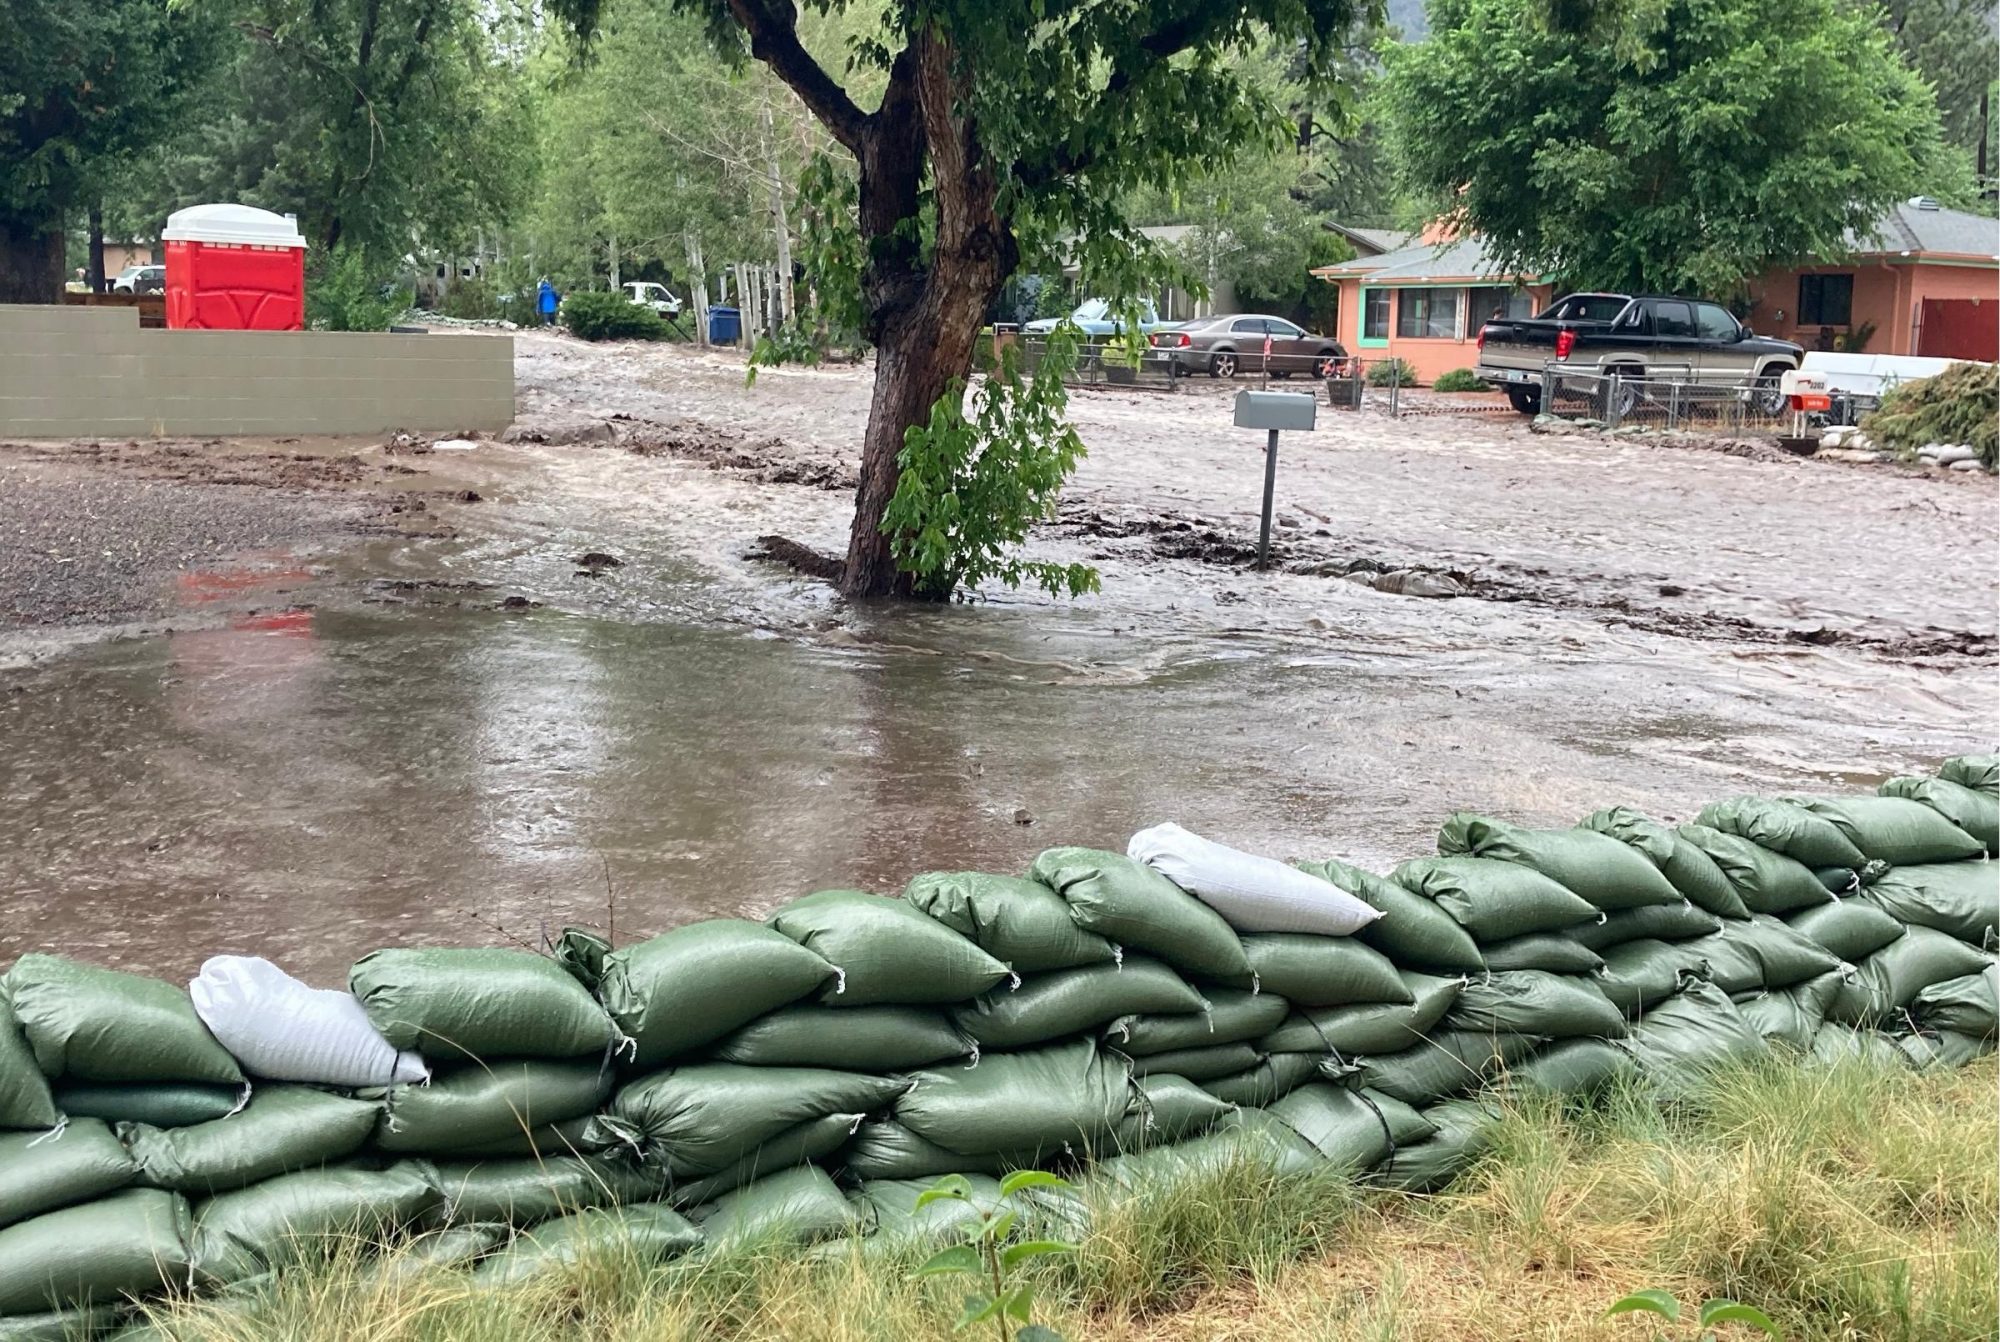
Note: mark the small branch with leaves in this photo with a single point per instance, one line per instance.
(984, 1255)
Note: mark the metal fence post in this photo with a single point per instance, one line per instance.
(1395, 387)
(1673, 404)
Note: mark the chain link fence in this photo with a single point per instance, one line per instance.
(1664, 401)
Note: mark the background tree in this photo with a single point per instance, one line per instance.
(83, 83)
(1001, 128)
(1660, 144)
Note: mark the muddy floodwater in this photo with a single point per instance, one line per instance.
(572, 694)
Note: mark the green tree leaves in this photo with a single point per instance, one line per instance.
(1660, 144)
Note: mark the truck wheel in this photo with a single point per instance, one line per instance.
(1222, 364)
(1526, 400)
(1765, 397)
(1616, 395)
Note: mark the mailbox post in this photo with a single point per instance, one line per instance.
(1272, 411)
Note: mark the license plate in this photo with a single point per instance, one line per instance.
(1513, 375)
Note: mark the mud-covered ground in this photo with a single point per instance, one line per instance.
(468, 695)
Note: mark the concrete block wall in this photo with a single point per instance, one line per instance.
(84, 372)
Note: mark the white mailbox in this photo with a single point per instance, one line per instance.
(1275, 410)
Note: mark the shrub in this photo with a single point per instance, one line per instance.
(1400, 371)
(347, 291)
(471, 300)
(596, 315)
(1459, 379)
(1959, 405)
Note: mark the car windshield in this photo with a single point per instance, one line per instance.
(1092, 311)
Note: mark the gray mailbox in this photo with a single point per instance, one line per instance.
(1272, 411)
(1275, 410)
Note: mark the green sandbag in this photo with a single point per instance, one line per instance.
(90, 1024)
(1760, 952)
(1849, 929)
(1689, 870)
(523, 1192)
(1139, 909)
(640, 1235)
(268, 1225)
(1247, 1141)
(1791, 1016)
(1981, 773)
(1412, 931)
(40, 1172)
(1888, 981)
(584, 1135)
(1014, 1102)
(282, 1128)
(475, 1105)
(1232, 1016)
(1604, 872)
(1895, 830)
(861, 1039)
(1552, 951)
(25, 1101)
(1778, 827)
(1641, 974)
(885, 1149)
(1167, 1109)
(1072, 1001)
(807, 1143)
(1655, 922)
(1446, 1063)
(1464, 1129)
(1577, 1067)
(1375, 1027)
(164, 1104)
(689, 987)
(454, 1246)
(1322, 971)
(1534, 1002)
(1946, 1050)
(1765, 880)
(886, 951)
(702, 1119)
(1021, 923)
(890, 1206)
(1836, 1043)
(1974, 812)
(797, 1206)
(1199, 1064)
(1494, 900)
(1962, 898)
(1352, 1131)
(1274, 1076)
(1965, 1005)
(131, 1243)
(481, 1003)
(1678, 1042)
(64, 1325)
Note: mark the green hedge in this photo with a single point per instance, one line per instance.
(1459, 379)
(597, 315)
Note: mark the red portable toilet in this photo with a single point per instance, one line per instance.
(234, 268)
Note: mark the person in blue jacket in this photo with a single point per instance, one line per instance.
(546, 300)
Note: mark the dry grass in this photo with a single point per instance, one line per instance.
(1854, 1205)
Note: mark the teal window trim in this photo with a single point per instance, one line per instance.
(1361, 336)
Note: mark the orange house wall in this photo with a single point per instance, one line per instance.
(1888, 294)
(1431, 358)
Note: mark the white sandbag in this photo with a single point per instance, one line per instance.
(1253, 894)
(278, 1028)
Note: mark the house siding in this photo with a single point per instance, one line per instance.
(1890, 293)
(1432, 358)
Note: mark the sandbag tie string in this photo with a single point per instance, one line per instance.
(53, 1134)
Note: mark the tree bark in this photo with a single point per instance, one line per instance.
(781, 224)
(95, 275)
(31, 260)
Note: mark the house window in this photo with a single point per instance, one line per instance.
(1375, 314)
(1426, 314)
(1497, 303)
(1826, 300)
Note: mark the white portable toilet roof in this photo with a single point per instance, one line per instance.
(242, 224)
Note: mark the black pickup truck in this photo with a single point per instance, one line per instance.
(1628, 337)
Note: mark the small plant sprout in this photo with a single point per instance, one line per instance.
(1713, 1314)
(1002, 1298)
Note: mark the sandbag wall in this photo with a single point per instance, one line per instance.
(817, 1071)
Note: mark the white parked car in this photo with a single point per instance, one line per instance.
(658, 297)
(140, 280)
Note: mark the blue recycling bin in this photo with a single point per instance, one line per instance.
(725, 326)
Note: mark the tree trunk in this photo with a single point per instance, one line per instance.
(697, 286)
(95, 276)
(925, 323)
(781, 224)
(611, 254)
(31, 260)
